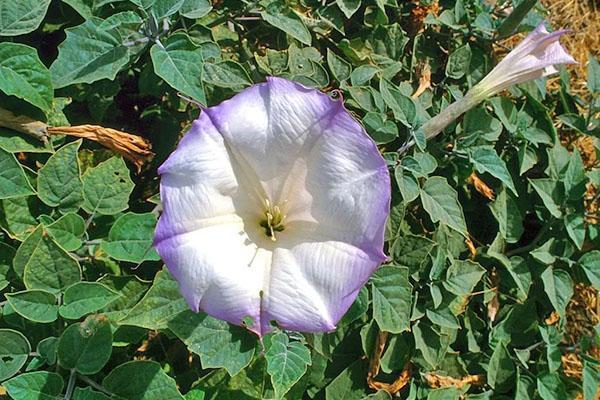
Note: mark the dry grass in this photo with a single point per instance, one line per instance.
(583, 314)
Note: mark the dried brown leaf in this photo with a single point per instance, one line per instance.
(134, 148)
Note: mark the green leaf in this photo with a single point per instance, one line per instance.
(575, 177)
(34, 305)
(550, 387)
(17, 216)
(89, 54)
(392, 298)
(44, 264)
(59, 180)
(218, 344)
(575, 225)
(164, 8)
(15, 142)
(440, 201)
(591, 380)
(130, 238)
(407, 183)
(558, 287)
(403, 107)
(411, 251)
(84, 298)
(485, 159)
(432, 346)
(590, 263)
(47, 348)
(106, 187)
(379, 129)
(511, 23)
(227, 74)
(501, 369)
(593, 80)
(459, 62)
(348, 384)
(506, 211)
(23, 16)
(88, 394)
(179, 63)
(348, 7)
(288, 21)
(443, 317)
(462, 276)
(150, 383)
(67, 231)
(14, 351)
(160, 304)
(194, 9)
(13, 182)
(339, 67)
(40, 385)
(86, 346)
(286, 362)
(23, 75)
(551, 194)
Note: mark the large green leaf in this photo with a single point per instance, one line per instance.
(392, 297)
(179, 62)
(462, 276)
(23, 75)
(13, 182)
(288, 21)
(84, 298)
(218, 344)
(130, 238)
(440, 200)
(86, 346)
(14, 350)
(67, 231)
(286, 362)
(40, 385)
(485, 159)
(590, 263)
(18, 217)
(88, 54)
(501, 369)
(44, 264)
(34, 305)
(558, 286)
(106, 187)
(22, 16)
(150, 383)
(160, 304)
(227, 74)
(59, 180)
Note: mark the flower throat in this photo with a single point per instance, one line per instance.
(273, 220)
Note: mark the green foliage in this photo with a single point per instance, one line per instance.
(87, 310)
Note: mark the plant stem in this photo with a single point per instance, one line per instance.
(70, 385)
(95, 385)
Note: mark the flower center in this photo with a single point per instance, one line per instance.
(273, 220)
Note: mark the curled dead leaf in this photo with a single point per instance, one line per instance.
(493, 306)
(440, 381)
(134, 148)
(375, 363)
(424, 79)
(481, 186)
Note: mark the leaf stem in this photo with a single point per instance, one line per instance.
(71, 384)
(95, 385)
